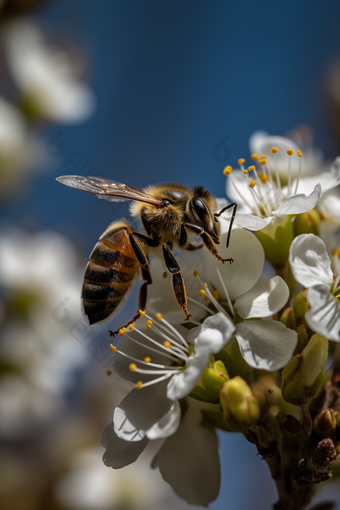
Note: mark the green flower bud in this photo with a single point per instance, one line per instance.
(325, 423)
(211, 382)
(233, 360)
(300, 307)
(303, 377)
(302, 339)
(240, 407)
(276, 239)
(307, 223)
(288, 318)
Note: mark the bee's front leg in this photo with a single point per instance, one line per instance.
(209, 243)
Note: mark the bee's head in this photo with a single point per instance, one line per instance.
(202, 209)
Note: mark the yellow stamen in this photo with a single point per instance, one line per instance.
(108, 372)
(252, 184)
(263, 156)
(274, 150)
(165, 274)
(122, 331)
(139, 385)
(195, 272)
(205, 284)
(250, 168)
(227, 171)
(147, 359)
(131, 326)
(336, 253)
(299, 153)
(245, 171)
(241, 161)
(167, 344)
(206, 299)
(216, 294)
(255, 157)
(133, 367)
(202, 292)
(159, 316)
(149, 324)
(262, 162)
(113, 348)
(290, 152)
(141, 313)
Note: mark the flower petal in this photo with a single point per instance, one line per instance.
(324, 313)
(266, 344)
(243, 273)
(309, 261)
(168, 425)
(182, 383)
(298, 204)
(267, 297)
(251, 222)
(237, 190)
(140, 410)
(120, 453)
(213, 334)
(329, 205)
(327, 181)
(189, 462)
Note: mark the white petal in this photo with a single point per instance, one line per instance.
(324, 313)
(309, 261)
(120, 453)
(181, 384)
(267, 297)
(168, 425)
(261, 142)
(189, 462)
(327, 180)
(213, 334)
(243, 273)
(251, 222)
(140, 410)
(265, 344)
(237, 190)
(298, 204)
(329, 205)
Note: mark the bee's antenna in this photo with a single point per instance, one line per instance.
(234, 205)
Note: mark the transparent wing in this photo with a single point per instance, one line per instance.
(108, 190)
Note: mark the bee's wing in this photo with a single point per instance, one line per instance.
(109, 190)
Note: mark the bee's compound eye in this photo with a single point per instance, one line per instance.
(200, 208)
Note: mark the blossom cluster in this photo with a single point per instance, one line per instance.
(252, 358)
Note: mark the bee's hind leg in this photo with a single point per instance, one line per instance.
(177, 280)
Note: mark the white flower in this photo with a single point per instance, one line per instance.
(46, 76)
(311, 267)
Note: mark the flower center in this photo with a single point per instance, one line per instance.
(213, 297)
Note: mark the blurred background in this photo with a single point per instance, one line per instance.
(140, 92)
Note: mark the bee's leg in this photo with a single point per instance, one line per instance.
(177, 280)
(234, 205)
(184, 239)
(209, 243)
(144, 262)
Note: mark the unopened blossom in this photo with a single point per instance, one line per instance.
(311, 267)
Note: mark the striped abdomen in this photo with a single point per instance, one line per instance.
(109, 273)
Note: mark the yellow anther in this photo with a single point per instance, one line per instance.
(108, 372)
(245, 171)
(205, 285)
(227, 171)
(139, 385)
(165, 274)
(336, 253)
(206, 299)
(133, 367)
(263, 156)
(147, 359)
(167, 344)
(159, 316)
(195, 272)
(113, 348)
(141, 313)
(255, 157)
(202, 292)
(290, 152)
(262, 162)
(274, 150)
(216, 294)
(252, 167)
(252, 184)
(299, 153)
(241, 161)
(131, 326)
(122, 331)
(149, 324)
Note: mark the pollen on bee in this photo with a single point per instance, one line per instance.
(139, 385)
(274, 150)
(252, 184)
(149, 324)
(159, 316)
(167, 344)
(255, 157)
(113, 348)
(299, 153)
(122, 331)
(132, 367)
(202, 292)
(131, 326)
(241, 161)
(227, 171)
(290, 152)
(252, 167)
(165, 274)
(216, 294)
(141, 313)
(147, 359)
(195, 272)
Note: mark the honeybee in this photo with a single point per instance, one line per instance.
(168, 213)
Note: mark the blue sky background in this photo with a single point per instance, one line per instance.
(172, 80)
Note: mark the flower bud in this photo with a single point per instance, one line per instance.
(302, 378)
(211, 382)
(240, 407)
(288, 318)
(307, 223)
(302, 339)
(325, 423)
(234, 361)
(276, 239)
(300, 307)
